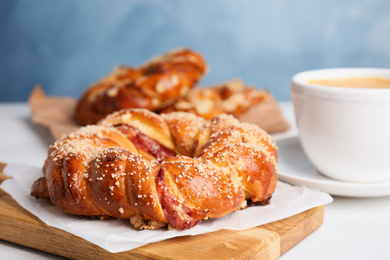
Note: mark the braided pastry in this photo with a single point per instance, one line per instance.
(231, 97)
(153, 86)
(174, 169)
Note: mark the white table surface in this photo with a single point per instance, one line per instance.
(353, 228)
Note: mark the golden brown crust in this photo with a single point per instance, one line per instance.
(154, 85)
(196, 189)
(184, 127)
(146, 122)
(157, 170)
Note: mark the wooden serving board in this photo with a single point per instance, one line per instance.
(263, 242)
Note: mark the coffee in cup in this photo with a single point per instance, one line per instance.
(356, 82)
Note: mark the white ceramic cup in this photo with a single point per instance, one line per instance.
(345, 132)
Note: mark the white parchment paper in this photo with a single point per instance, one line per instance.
(117, 235)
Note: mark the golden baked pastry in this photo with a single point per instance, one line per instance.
(154, 85)
(175, 169)
(231, 97)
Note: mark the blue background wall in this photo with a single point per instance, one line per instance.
(67, 45)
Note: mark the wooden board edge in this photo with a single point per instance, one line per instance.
(297, 227)
(226, 244)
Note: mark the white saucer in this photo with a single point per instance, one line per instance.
(295, 168)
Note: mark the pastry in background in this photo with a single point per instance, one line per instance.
(231, 97)
(153, 86)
